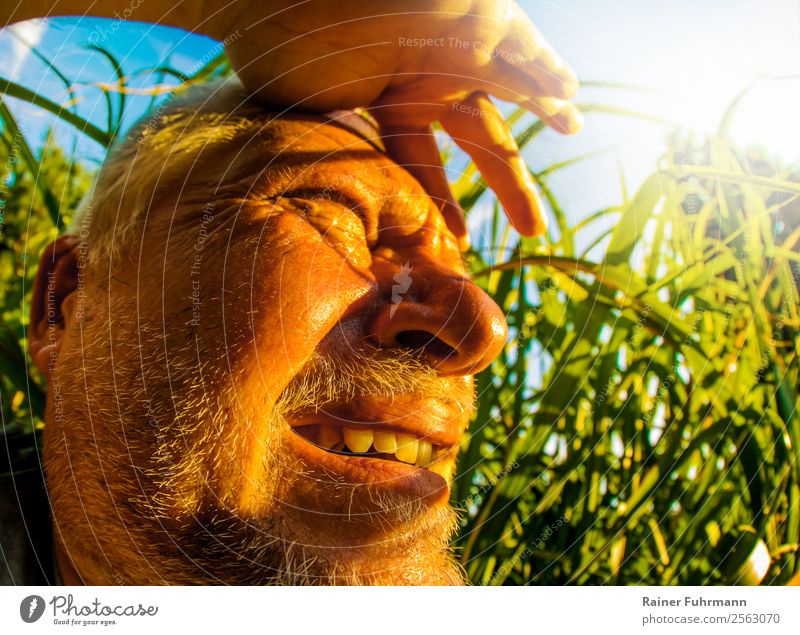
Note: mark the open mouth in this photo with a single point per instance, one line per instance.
(400, 442)
(383, 444)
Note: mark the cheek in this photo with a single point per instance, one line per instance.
(287, 290)
(282, 293)
(267, 297)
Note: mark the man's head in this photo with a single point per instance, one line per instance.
(260, 344)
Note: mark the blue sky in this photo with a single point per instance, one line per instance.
(65, 41)
(696, 54)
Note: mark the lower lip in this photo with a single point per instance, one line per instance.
(378, 474)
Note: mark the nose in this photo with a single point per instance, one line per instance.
(444, 316)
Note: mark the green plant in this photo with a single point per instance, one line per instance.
(664, 431)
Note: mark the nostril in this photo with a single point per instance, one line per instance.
(424, 341)
(451, 323)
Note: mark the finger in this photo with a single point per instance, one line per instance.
(512, 52)
(415, 149)
(561, 116)
(480, 131)
(525, 50)
(505, 81)
(412, 104)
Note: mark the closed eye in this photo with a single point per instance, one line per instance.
(340, 197)
(330, 194)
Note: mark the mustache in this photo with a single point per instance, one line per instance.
(339, 376)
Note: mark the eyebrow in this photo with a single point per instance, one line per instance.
(337, 195)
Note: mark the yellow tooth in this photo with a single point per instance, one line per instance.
(424, 452)
(328, 437)
(406, 448)
(385, 442)
(358, 440)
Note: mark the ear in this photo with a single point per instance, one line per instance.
(53, 303)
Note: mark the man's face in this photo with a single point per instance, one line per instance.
(272, 383)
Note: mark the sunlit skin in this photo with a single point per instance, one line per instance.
(166, 458)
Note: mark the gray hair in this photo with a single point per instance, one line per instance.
(157, 149)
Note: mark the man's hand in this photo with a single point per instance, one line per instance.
(412, 62)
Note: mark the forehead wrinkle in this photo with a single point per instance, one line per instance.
(383, 179)
(362, 170)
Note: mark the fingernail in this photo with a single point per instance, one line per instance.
(569, 121)
(537, 210)
(570, 86)
(521, 168)
(539, 217)
(576, 121)
(552, 106)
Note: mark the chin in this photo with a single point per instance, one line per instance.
(323, 533)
